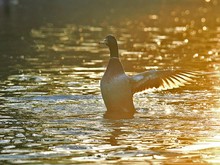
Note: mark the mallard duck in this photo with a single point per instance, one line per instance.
(117, 88)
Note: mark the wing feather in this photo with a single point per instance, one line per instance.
(162, 80)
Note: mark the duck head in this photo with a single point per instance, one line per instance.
(111, 42)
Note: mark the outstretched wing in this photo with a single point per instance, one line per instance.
(163, 80)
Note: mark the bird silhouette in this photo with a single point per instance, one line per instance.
(117, 88)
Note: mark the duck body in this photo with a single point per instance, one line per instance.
(117, 88)
(116, 91)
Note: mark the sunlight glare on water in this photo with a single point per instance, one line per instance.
(51, 109)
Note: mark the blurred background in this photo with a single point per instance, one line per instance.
(25, 23)
(51, 110)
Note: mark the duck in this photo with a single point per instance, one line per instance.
(118, 88)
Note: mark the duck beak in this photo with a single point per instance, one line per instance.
(103, 42)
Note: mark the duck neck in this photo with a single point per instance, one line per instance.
(114, 67)
(114, 51)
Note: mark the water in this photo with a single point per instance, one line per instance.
(51, 110)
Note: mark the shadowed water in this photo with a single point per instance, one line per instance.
(51, 110)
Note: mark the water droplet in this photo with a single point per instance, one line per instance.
(203, 20)
(195, 55)
(210, 52)
(186, 40)
(204, 28)
(154, 17)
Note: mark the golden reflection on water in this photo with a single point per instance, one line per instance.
(148, 47)
(60, 90)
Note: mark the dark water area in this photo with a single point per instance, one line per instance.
(51, 109)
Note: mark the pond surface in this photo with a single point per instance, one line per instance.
(51, 110)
